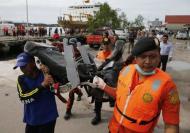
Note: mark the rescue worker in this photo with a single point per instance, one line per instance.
(105, 35)
(103, 54)
(101, 57)
(40, 110)
(105, 40)
(142, 92)
(68, 114)
(116, 54)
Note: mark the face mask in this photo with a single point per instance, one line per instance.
(143, 72)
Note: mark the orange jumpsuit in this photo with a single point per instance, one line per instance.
(139, 102)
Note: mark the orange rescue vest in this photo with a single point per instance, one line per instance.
(139, 109)
(103, 55)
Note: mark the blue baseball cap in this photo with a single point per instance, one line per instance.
(22, 59)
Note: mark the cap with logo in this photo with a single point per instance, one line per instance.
(22, 60)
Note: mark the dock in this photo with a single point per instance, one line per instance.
(6, 42)
(12, 39)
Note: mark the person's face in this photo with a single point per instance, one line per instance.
(29, 68)
(165, 39)
(115, 38)
(149, 60)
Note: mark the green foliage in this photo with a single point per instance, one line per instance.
(123, 20)
(105, 17)
(90, 24)
(139, 21)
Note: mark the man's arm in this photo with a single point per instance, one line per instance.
(171, 52)
(171, 108)
(169, 128)
(110, 91)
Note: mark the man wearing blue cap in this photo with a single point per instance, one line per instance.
(40, 110)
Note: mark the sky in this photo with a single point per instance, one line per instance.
(47, 11)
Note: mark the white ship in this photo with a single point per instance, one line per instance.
(78, 14)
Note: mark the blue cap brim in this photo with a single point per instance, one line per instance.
(20, 64)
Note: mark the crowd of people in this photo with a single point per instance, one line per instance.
(142, 90)
(39, 31)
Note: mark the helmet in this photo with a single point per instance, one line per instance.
(73, 41)
(106, 41)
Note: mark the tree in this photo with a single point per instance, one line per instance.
(139, 21)
(105, 17)
(91, 25)
(123, 19)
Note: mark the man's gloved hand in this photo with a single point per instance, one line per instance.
(170, 59)
(99, 82)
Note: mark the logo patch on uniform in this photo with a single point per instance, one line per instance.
(156, 85)
(147, 98)
(173, 97)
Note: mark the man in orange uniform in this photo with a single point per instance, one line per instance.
(104, 54)
(142, 92)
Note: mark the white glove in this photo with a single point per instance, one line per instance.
(99, 82)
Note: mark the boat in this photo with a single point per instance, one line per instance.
(76, 16)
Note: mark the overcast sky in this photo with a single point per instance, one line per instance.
(47, 11)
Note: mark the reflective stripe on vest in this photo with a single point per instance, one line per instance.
(142, 104)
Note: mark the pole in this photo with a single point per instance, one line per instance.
(27, 19)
